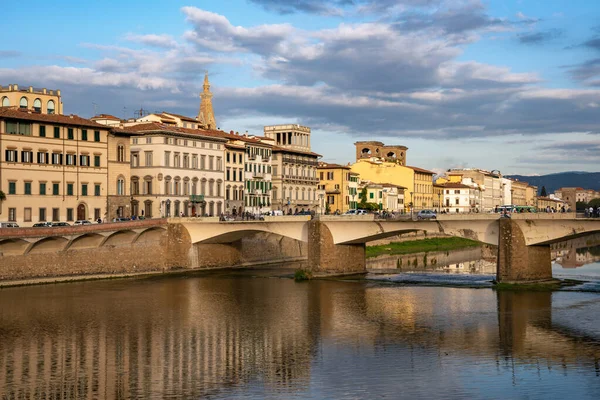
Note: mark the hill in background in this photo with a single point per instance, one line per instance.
(552, 182)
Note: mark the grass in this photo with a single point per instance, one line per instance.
(302, 275)
(423, 245)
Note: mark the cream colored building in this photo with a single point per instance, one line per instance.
(120, 203)
(41, 101)
(52, 167)
(257, 176)
(295, 180)
(235, 151)
(393, 197)
(176, 171)
(490, 184)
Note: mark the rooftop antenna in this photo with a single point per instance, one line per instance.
(141, 112)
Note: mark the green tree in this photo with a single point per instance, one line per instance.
(581, 205)
(363, 197)
(543, 192)
(594, 203)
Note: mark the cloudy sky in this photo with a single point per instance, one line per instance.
(512, 85)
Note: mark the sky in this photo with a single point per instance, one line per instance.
(508, 85)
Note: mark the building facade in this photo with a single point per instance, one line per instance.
(176, 171)
(41, 101)
(52, 168)
(234, 177)
(120, 203)
(334, 179)
(257, 176)
(460, 198)
(295, 178)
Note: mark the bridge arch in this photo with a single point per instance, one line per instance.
(87, 241)
(119, 238)
(153, 234)
(48, 245)
(15, 246)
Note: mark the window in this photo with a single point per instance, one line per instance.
(12, 187)
(84, 188)
(50, 106)
(56, 132)
(135, 160)
(5, 102)
(55, 189)
(84, 134)
(148, 140)
(27, 188)
(330, 176)
(56, 159)
(120, 153)
(69, 214)
(96, 136)
(202, 162)
(96, 161)
(457, 200)
(84, 160)
(71, 159)
(56, 214)
(371, 195)
(96, 190)
(23, 103)
(11, 156)
(27, 214)
(211, 161)
(121, 186)
(42, 215)
(18, 128)
(69, 189)
(134, 140)
(96, 213)
(42, 189)
(27, 156)
(37, 105)
(219, 162)
(148, 155)
(12, 214)
(42, 131)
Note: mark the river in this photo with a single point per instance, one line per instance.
(254, 334)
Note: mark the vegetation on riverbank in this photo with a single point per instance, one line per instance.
(302, 275)
(422, 245)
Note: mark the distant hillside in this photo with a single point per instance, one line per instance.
(586, 180)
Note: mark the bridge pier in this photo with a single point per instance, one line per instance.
(518, 262)
(324, 256)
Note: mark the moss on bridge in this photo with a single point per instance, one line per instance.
(422, 245)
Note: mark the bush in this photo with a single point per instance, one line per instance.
(302, 275)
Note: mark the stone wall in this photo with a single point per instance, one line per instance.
(326, 257)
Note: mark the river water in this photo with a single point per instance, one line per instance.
(256, 335)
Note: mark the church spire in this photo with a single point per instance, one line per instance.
(206, 115)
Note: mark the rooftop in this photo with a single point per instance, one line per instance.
(29, 115)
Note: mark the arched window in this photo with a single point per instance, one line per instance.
(120, 153)
(297, 193)
(50, 106)
(120, 186)
(168, 185)
(5, 102)
(37, 105)
(23, 103)
(148, 184)
(177, 187)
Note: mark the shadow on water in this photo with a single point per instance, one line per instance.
(247, 336)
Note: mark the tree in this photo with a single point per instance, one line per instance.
(543, 192)
(2, 196)
(363, 197)
(581, 205)
(594, 203)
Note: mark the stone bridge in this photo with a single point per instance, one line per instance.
(334, 245)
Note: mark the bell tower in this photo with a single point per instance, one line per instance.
(206, 115)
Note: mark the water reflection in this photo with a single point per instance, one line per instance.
(230, 337)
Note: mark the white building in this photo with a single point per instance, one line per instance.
(460, 198)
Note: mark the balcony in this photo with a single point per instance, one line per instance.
(197, 198)
(292, 160)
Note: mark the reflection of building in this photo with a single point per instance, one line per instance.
(294, 169)
(53, 167)
(176, 171)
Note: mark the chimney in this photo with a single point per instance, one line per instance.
(30, 89)
(16, 87)
(44, 90)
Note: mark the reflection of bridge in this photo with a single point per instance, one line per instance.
(335, 244)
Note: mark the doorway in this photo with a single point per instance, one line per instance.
(81, 214)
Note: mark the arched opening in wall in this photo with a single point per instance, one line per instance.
(366, 152)
(5, 102)
(23, 103)
(11, 247)
(82, 211)
(37, 105)
(47, 245)
(150, 235)
(88, 241)
(121, 185)
(50, 107)
(391, 154)
(120, 238)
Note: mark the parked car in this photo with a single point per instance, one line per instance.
(122, 219)
(426, 214)
(356, 212)
(60, 224)
(82, 222)
(8, 225)
(42, 224)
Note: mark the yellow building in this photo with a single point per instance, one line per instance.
(531, 195)
(52, 168)
(335, 180)
(518, 193)
(438, 193)
(422, 198)
(42, 101)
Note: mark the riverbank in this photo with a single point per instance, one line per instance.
(422, 245)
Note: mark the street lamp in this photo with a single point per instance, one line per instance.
(439, 202)
(411, 205)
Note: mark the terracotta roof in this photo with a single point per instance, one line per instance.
(456, 185)
(157, 127)
(235, 146)
(324, 165)
(284, 150)
(182, 117)
(28, 115)
(105, 116)
(417, 169)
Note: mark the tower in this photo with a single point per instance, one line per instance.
(206, 115)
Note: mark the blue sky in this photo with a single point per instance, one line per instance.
(510, 85)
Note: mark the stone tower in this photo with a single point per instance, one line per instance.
(390, 153)
(206, 115)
